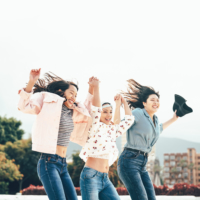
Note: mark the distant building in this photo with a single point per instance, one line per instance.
(182, 167)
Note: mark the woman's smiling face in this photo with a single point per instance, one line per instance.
(106, 115)
(70, 94)
(152, 104)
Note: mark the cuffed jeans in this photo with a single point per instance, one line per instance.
(96, 185)
(52, 171)
(132, 171)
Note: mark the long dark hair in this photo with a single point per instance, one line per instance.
(52, 83)
(137, 94)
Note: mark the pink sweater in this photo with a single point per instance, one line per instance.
(47, 107)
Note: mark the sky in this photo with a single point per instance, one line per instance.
(156, 43)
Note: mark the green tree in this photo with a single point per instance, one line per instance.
(9, 130)
(24, 157)
(75, 168)
(158, 170)
(113, 175)
(9, 172)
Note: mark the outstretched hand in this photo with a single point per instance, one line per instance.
(34, 75)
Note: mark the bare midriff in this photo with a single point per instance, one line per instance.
(61, 151)
(98, 164)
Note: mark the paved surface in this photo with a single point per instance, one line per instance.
(44, 197)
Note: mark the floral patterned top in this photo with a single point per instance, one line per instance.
(101, 142)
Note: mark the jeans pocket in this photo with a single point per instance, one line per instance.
(89, 173)
(131, 155)
(50, 159)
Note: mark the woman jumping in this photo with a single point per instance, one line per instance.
(100, 150)
(141, 137)
(59, 120)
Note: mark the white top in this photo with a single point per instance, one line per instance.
(101, 142)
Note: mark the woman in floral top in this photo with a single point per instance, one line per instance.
(100, 150)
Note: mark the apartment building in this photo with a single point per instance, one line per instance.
(182, 167)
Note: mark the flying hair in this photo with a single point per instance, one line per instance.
(52, 83)
(137, 94)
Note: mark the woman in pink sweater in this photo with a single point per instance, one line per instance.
(60, 119)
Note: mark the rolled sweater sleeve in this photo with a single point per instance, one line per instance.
(124, 125)
(88, 102)
(30, 103)
(95, 114)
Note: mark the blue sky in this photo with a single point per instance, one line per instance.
(156, 43)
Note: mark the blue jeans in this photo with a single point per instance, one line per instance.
(96, 185)
(52, 171)
(132, 171)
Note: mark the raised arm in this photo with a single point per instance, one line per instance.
(29, 103)
(124, 125)
(94, 83)
(88, 101)
(96, 110)
(91, 88)
(118, 102)
(126, 107)
(169, 122)
(34, 76)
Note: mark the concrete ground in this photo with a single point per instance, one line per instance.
(44, 197)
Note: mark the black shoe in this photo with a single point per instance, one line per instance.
(180, 106)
